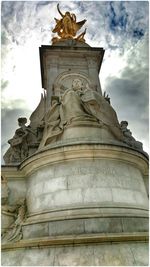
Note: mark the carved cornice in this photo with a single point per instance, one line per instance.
(76, 240)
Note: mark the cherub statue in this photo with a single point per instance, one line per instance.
(67, 27)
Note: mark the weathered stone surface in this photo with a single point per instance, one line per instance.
(39, 257)
(12, 258)
(36, 230)
(115, 255)
(66, 227)
(85, 181)
(81, 225)
(140, 254)
(121, 254)
(103, 225)
(17, 190)
(135, 224)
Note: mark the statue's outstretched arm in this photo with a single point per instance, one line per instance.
(59, 10)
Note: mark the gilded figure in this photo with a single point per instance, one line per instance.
(67, 27)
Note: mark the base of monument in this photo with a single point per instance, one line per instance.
(130, 249)
(94, 194)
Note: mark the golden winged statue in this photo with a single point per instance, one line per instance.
(67, 27)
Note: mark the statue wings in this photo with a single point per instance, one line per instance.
(78, 25)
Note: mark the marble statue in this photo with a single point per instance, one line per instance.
(26, 139)
(78, 104)
(128, 138)
(19, 144)
(12, 215)
(67, 27)
(14, 233)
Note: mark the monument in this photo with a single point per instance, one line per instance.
(75, 180)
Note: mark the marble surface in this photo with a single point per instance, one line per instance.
(121, 254)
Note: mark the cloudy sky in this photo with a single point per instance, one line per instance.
(121, 28)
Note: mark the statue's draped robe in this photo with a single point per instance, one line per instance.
(79, 106)
(97, 105)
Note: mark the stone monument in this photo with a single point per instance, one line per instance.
(74, 183)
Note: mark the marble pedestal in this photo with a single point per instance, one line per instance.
(87, 195)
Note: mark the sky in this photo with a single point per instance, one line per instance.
(120, 27)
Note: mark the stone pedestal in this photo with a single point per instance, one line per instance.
(81, 195)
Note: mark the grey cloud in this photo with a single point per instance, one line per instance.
(129, 97)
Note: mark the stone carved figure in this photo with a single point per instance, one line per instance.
(8, 212)
(52, 122)
(19, 144)
(67, 27)
(79, 104)
(129, 139)
(15, 230)
(27, 138)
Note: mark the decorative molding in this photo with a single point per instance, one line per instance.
(48, 156)
(76, 240)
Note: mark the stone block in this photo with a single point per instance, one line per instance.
(80, 181)
(46, 202)
(140, 253)
(12, 258)
(38, 257)
(135, 224)
(66, 169)
(141, 198)
(113, 255)
(55, 184)
(123, 196)
(87, 256)
(44, 173)
(17, 191)
(66, 227)
(103, 225)
(36, 230)
(97, 195)
(67, 256)
(68, 197)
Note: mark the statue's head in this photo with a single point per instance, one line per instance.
(77, 84)
(67, 13)
(22, 121)
(124, 123)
